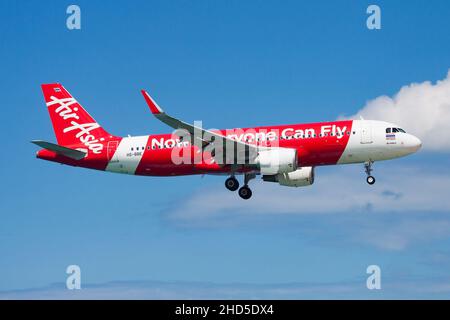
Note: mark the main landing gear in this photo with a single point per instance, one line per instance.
(244, 192)
(232, 183)
(368, 168)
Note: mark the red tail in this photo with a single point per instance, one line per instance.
(72, 124)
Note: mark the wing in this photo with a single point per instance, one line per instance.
(242, 153)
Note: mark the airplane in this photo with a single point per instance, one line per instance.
(283, 154)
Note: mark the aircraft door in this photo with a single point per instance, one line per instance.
(111, 151)
(366, 133)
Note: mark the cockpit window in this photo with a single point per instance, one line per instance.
(389, 130)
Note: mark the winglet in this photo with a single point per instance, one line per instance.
(154, 108)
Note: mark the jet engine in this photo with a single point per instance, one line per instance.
(301, 177)
(277, 161)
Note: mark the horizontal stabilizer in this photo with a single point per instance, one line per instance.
(64, 151)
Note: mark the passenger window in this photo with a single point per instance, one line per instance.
(401, 130)
(388, 130)
(395, 130)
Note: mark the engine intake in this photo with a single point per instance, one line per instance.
(277, 161)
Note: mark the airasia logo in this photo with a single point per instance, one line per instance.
(83, 130)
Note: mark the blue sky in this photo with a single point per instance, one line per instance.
(229, 64)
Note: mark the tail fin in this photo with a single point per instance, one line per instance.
(72, 124)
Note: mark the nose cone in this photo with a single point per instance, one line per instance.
(412, 143)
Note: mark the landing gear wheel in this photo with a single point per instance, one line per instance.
(232, 184)
(368, 168)
(245, 193)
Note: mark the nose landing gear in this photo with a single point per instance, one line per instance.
(370, 180)
(368, 168)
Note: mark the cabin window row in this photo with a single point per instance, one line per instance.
(143, 148)
(275, 138)
(139, 148)
(304, 136)
(320, 135)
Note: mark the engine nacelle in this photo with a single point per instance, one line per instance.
(299, 178)
(277, 161)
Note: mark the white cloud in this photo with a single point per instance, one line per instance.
(407, 206)
(396, 237)
(399, 189)
(421, 108)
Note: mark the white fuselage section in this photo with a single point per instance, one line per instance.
(372, 142)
